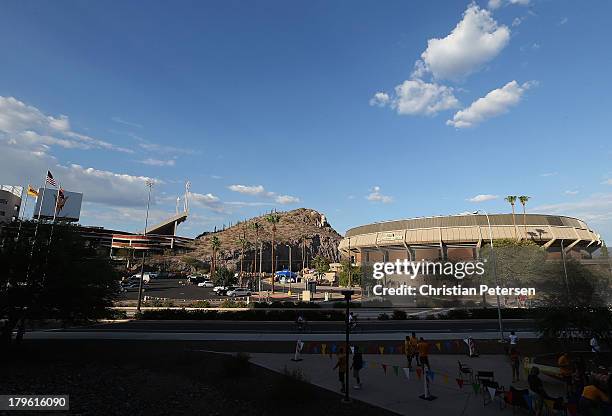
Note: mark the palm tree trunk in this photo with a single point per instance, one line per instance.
(514, 222)
(273, 238)
(241, 260)
(524, 220)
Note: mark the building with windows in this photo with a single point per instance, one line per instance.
(10, 202)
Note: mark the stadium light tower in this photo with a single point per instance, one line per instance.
(499, 317)
(149, 184)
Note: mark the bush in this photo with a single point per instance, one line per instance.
(383, 317)
(201, 304)
(399, 315)
(230, 303)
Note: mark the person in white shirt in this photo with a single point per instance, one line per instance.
(594, 345)
(513, 338)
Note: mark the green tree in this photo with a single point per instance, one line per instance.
(321, 266)
(343, 275)
(273, 218)
(516, 263)
(193, 263)
(523, 199)
(52, 277)
(255, 226)
(215, 244)
(511, 199)
(224, 277)
(244, 245)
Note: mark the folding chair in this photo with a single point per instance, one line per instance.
(492, 390)
(465, 371)
(484, 376)
(516, 399)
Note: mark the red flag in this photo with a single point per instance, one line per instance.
(460, 383)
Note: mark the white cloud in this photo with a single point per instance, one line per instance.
(607, 182)
(476, 40)
(483, 198)
(259, 190)
(517, 21)
(418, 97)
(496, 4)
(376, 196)
(126, 123)
(495, 103)
(286, 199)
(569, 192)
(380, 99)
(548, 174)
(248, 189)
(26, 126)
(207, 200)
(563, 21)
(158, 162)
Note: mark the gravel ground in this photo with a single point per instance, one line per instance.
(160, 378)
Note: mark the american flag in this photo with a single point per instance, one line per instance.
(50, 179)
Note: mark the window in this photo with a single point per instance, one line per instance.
(4, 201)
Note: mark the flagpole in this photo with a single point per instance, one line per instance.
(59, 187)
(42, 199)
(22, 213)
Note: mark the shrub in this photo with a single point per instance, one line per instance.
(229, 303)
(399, 315)
(383, 317)
(201, 304)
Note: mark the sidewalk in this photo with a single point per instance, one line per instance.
(401, 395)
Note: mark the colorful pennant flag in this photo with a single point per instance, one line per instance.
(439, 346)
(32, 192)
(323, 347)
(459, 382)
(381, 349)
(430, 374)
(406, 372)
(445, 378)
(384, 367)
(476, 387)
(492, 392)
(396, 370)
(419, 372)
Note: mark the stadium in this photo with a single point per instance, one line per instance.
(460, 237)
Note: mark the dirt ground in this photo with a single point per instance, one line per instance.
(161, 378)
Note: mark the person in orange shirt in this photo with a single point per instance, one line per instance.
(341, 366)
(423, 349)
(515, 363)
(410, 348)
(593, 401)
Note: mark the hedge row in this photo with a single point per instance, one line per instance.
(251, 315)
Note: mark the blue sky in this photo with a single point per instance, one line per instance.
(366, 111)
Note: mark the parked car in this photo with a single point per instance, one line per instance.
(206, 283)
(222, 290)
(194, 279)
(239, 291)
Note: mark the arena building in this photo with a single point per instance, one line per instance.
(460, 237)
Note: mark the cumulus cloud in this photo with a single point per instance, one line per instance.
(158, 162)
(380, 99)
(483, 198)
(495, 103)
(376, 196)
(418, 97)
(259, 190)
(569, 192)
(496, 4)
(207, 200)
(475, 41)
(26, 126)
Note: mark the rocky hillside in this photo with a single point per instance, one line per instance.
(304, 230)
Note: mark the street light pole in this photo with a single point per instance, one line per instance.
(499, 317)
(347, 296)
(149, 184)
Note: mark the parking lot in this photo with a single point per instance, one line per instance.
(172, 289)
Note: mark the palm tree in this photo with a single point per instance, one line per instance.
(255, 226)
(511, 199)
(523, 199)
(273, 218)
(215, 244)
(243, 242)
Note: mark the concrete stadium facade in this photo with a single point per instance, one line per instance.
(460, 237)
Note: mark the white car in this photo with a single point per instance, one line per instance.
(206, 283)
(239, 291)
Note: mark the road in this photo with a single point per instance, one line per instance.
(375, 327)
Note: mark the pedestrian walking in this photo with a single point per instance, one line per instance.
(515, 363)
(410, 348)
(341, 366)
(423, 349)
(356, 366)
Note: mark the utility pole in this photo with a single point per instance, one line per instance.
(149, 184)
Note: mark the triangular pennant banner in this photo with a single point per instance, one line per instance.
(492, 391)
(406, 372)
(430, 375)
(384, 367)
(445, 378)
(447, 345)
(396, 370)
(476, 387)
(381, 349)
(352, 349)
(323, 347)
(459, 382)
(315, 350)
(391, 349)
(439, 346)
(333, 348)
(419, 372)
